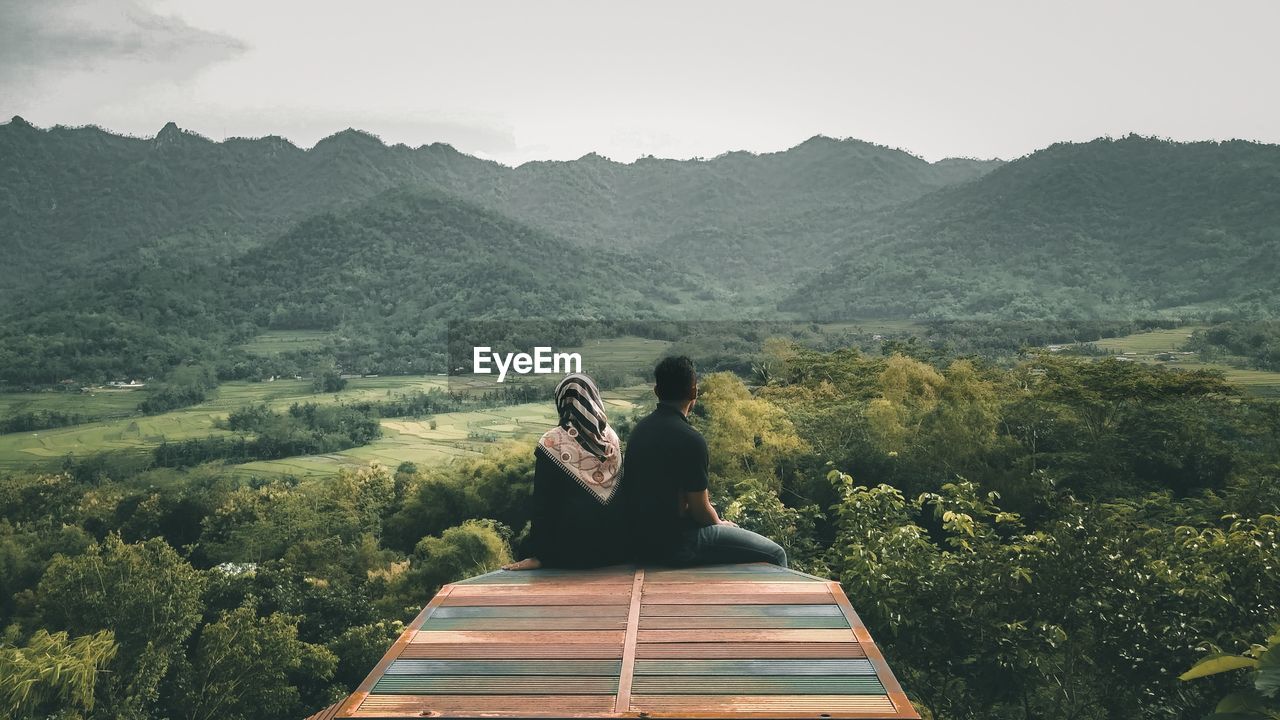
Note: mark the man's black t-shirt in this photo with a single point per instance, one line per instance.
(665, 457)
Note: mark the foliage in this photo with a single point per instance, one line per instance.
(1260, 699)
(245, 666)
(473, 548)
(748, 437)
(144, 593)
(497, 486)
(52, 670)
(1258, 342)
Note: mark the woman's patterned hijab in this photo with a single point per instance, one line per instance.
(584, 444)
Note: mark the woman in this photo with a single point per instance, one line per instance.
(577, 472)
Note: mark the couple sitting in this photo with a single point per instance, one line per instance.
(593, 507)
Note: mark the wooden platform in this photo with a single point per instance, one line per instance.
(728, 641)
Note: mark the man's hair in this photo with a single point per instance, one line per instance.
(673, 377)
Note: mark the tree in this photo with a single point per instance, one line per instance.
(52, 672)
(748, 437)
(473, 548)
(145, 593)
(245, 666)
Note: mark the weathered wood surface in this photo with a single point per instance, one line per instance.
(732, 641)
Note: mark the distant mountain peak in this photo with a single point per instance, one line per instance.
(172, 135)
(169, 132)
(595, 157)
(821, 140)
(17, 121)
(351, 138)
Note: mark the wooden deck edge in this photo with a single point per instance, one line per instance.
(353, 701)
(893, 689)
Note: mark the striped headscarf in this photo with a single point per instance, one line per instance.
(583, 444)
(582, 413)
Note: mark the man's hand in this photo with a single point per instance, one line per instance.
(525, 564)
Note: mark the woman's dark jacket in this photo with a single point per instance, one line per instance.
(571, 528)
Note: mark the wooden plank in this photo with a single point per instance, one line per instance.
(539, 705)
(623, 700)
(609, 668)
(524, 600)
(748, 568)
(497, 685)
(758, 685)
(533, 623)
(860, 666)
(651, 610)
(699, 574)
(718, 587)
(683, 598)
(754, 667)
(547, 611)
(730, 577)
(783, 704)
(759, 650)
(620, 575)
(521, 637)
(713, 623)
(535, 591)
(512, 651)
(755, 636)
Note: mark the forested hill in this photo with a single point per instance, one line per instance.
(125, 256)
(387, 276)
(1105, 228)
(415, 257)
(74, 198)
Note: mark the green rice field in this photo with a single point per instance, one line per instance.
(1145, 346)
(131, 431)
(415, 441)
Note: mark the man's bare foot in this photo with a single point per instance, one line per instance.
(525, 564)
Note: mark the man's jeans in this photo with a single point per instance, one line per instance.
(721, 544)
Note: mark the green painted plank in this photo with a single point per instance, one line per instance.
(680, 577)
(536, 611)
(757, 685)
(526, 623)
(739, 622)
(647, 610)
(581, 668)
(495, 685)
(522, 577)
(754, 667)
(758, 568)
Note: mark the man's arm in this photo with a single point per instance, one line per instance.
(698, 507)
(695, 499)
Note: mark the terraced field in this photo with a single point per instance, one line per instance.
(456, 435)
(1145, 346)
(130, 431)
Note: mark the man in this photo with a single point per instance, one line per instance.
(665, 474)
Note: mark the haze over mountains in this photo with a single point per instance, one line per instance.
(181, 244)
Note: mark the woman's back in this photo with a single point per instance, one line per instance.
(576, 519)
(572, 526)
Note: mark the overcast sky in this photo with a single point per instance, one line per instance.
(524, 80)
